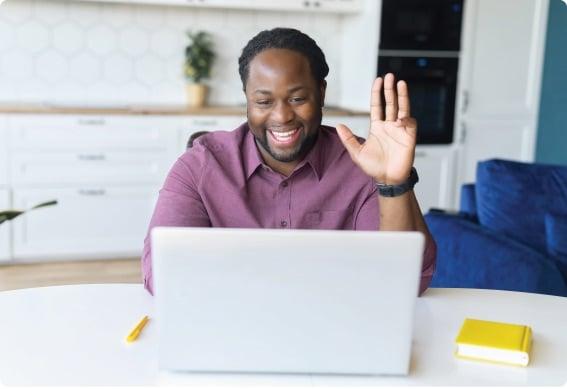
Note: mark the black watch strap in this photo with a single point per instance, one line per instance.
(398, 190)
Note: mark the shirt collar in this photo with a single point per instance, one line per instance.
(253, 158)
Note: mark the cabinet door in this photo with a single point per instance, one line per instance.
(87, 222)
(435, 166)
(89, 132)
(107, 167)
(503, 45)
(486, 139)
(206, 123)
(3, 152)
(5, 228)
(499, 83)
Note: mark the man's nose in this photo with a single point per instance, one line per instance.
(282, 113)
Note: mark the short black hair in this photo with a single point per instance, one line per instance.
(284, 38)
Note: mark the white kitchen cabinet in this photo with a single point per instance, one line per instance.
(192, 124)
(499, 82)
(87, 222)
(3, 152)
(336, 6)
(105, 171)
(502, 62)
(435, 166)
(5, 228)
(92, 132)
(486, 139)
(106, 167)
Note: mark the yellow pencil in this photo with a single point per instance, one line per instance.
(133, 335)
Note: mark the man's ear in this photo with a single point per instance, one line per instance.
(322, 89)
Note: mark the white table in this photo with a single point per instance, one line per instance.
(74, 335)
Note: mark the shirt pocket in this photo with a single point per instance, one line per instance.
(329, 219)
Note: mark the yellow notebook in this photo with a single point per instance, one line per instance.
(494, 342)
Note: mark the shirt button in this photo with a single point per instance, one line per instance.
(283, 223)
(285, 184)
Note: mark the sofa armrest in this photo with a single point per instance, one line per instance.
(470, 256)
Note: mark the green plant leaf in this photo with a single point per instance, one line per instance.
(199, 56)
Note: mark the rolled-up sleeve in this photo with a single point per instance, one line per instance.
(368, 219)
(428, 267)
(179, 203)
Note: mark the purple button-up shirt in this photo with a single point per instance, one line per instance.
(222, 182)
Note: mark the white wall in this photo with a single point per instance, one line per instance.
(68, 52)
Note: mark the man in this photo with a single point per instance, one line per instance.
(282, 169)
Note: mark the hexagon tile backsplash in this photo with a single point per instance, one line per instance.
(88, 53)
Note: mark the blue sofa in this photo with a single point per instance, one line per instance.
(510, 232)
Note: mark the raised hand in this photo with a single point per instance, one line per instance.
(387, 154)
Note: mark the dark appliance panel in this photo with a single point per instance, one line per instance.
(421, 25)
(432, 87)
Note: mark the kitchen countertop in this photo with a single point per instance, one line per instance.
(149, 110)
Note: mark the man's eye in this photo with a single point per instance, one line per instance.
(297, 99)
(263, 102)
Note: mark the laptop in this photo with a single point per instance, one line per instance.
(285, 301)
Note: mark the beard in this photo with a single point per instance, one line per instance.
(306, 143)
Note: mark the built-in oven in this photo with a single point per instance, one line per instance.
(421, 25)
(420, 43)
(432, 83)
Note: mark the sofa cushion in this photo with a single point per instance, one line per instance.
(556, 235)
(514, 197)
(472, 256)
(468, 201)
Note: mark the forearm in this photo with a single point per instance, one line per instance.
(397, 213)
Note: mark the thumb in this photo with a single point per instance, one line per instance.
(350, 141)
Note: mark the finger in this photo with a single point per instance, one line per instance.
(350, 141)
(390, 97)
(403, 100)
(376, 109)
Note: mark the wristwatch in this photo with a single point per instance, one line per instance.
(400, 189)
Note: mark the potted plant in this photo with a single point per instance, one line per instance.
(199, 58)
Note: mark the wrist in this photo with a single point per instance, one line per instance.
(385, 180)
(395, 189)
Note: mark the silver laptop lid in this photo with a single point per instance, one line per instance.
(285, 301)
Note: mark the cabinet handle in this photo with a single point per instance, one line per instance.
(211, 122)
(92, 122)
(91, 157)
(420, 154)
(306, 3)
(465, 104)
(317, 4)
(92, 192)
(463, 136)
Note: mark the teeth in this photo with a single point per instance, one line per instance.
(284, 135)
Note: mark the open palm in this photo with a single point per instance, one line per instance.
(387, 154)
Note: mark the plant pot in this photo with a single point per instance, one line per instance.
(196, 95)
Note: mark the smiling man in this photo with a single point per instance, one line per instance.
(283, 169)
